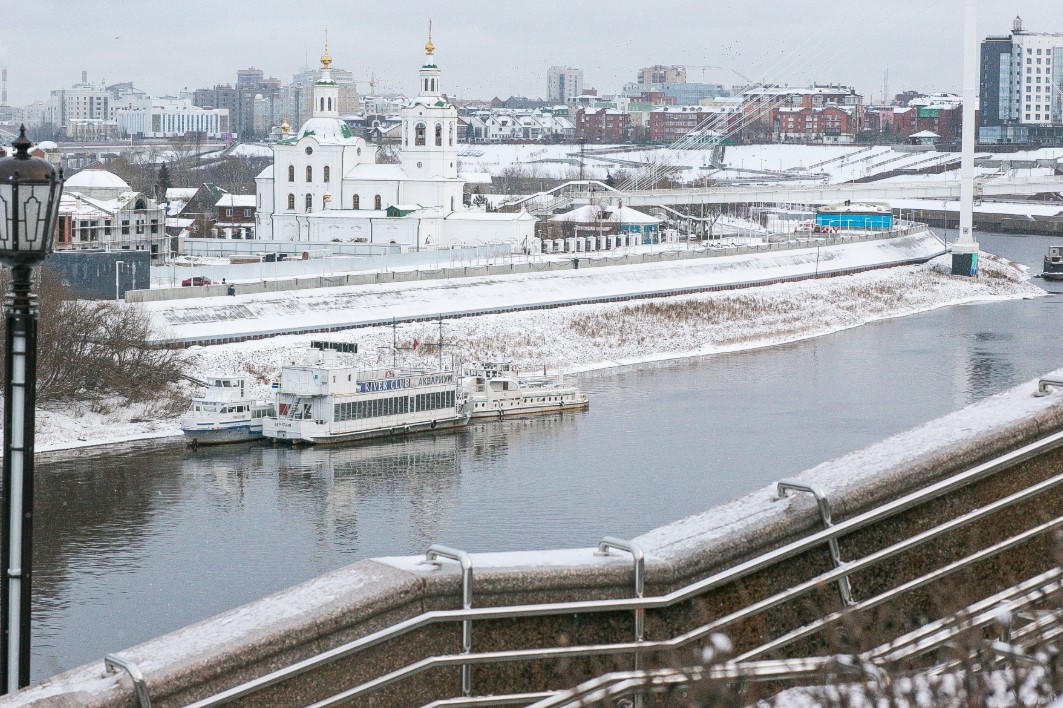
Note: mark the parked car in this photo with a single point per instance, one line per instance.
(197, 280)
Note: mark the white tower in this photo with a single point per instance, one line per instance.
(326, 93)
(430, 126)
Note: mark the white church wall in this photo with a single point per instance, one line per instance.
(475, 232)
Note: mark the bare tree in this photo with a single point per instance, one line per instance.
(100, 353)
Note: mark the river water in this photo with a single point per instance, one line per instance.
(140, 541)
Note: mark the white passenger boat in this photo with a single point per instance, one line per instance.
(497, 390)
(329, 402)
(225, 414)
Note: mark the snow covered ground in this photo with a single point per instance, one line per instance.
(267, 313)
(588, 337)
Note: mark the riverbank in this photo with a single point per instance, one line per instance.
(588, 337)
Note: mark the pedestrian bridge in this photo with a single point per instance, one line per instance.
(930, 187)
(899, 559)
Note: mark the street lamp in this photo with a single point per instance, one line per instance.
(29, 201)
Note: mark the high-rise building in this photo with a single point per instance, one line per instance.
(249, 77)
(1022, 87)
(659, 74)
(563, 83)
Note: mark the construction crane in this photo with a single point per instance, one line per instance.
(371, 82)
(718, 68)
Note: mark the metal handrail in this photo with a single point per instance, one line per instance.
(1044, 384)
(639, 559)
(434, 553)
(913, 584)
(844, 586)
(906, 587)
(704, 630)
(980, 614)
(113, 662)
(687, 592)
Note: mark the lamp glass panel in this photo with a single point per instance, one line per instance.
(32, 213)
(6, 214)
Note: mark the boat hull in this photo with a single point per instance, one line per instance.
(222, 436)
(278, 433)
(531, 409)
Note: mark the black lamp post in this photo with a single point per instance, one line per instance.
(29, 201)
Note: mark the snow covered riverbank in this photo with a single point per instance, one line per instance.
(588, 337)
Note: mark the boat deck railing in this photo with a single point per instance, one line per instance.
(755, 663)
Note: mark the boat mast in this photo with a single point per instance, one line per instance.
(965, 250)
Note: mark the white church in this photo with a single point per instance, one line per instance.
(325, 185)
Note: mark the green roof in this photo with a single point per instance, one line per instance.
(346, 130)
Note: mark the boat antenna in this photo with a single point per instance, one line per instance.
(440, 344)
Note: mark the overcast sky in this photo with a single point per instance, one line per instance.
(500, 48)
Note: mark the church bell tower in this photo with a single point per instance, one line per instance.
(430, 125)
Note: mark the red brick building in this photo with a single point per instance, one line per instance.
(832, 124)
(946, 121)
(236, 216)
(761, 106)
(669, 124)
(604, 125)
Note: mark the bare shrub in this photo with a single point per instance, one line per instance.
(101, 354)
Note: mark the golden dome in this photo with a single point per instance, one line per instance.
(429, 48)
(285, 127)
(326, 58)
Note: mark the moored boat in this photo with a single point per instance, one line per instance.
(497, 390)
(330, 402)
(1053, 268)
(225, 413)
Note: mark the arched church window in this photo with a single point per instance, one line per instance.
(426, 85)
(439, 134)
(291, 173)
(357, 202)
(330, 103)
(326, 174)
(322, 104)
(419, 131)
(291, 202)
(309, 173)
(450, 130)
(452, 203)
(376, 202)
(309, 202)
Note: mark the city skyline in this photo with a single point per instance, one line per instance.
(495, 51)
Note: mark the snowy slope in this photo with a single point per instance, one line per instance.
(194, 319)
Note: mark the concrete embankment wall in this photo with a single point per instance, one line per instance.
(360, 599)
(577, 260)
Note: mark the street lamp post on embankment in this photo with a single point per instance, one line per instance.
(965, 249)
(29, 201)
